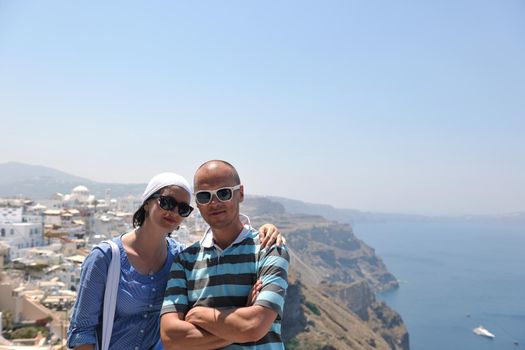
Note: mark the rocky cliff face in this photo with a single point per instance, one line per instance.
(315, 319)
(338, 256)
(360, 298)
(331, 302)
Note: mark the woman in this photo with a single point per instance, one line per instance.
(146, 255)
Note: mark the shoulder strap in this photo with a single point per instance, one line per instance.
(110, 295)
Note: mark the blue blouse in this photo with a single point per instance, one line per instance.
(139, 299)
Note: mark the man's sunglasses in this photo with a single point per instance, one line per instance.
(170, 203)
(223, 194)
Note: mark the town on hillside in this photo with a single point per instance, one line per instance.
(42, 246)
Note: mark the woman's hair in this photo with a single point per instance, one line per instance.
(140, 214)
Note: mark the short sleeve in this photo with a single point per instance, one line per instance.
(176, 296)
(272, 270)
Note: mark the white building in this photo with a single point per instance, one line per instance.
(40, 256)
(127, 204)
(53, 217)
(11, 214)
(34, 213)
(55, 202)
(21, 235)
(79, 195)
(68, 272)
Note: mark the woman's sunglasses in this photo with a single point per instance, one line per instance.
(170, 203)
(223, 194)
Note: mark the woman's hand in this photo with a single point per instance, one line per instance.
(254, 292)
(269, 234)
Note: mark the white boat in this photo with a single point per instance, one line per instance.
(483, 332)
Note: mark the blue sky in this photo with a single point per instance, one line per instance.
(409, 106)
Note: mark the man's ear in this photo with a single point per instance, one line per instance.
(241, 194)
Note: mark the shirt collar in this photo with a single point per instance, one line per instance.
(207, 239)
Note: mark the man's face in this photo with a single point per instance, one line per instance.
(218, 214)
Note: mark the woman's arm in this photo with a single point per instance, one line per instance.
(88, 306)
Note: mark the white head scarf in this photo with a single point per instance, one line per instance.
(165, 179)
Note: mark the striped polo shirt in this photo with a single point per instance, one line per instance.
(205, 275)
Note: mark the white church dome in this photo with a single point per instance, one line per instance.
(80, 189)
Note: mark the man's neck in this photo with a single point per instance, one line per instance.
(225, 236)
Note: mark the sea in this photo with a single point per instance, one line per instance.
(454, 276)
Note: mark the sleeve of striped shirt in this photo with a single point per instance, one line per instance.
(272, 270)
(176, 296)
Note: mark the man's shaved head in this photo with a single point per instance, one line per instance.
(212, 164)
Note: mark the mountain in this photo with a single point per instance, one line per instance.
(351, 216)
(41, 182)
(342, 215)
(13, 172)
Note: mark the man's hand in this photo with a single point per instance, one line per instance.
(254, 292)
(200, 314)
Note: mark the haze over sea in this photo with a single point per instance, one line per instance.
(454, 277)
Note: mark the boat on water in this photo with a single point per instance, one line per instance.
(483, 332)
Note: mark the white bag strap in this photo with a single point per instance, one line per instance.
(110, 295)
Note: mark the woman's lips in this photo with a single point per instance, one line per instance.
(170, 220)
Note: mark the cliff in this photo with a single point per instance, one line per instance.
(331, 302)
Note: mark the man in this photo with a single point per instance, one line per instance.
(209, 301)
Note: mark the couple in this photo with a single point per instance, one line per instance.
(225, 289)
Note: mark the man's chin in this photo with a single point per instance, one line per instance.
(218, 222)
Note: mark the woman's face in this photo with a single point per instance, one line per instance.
(169, 220)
